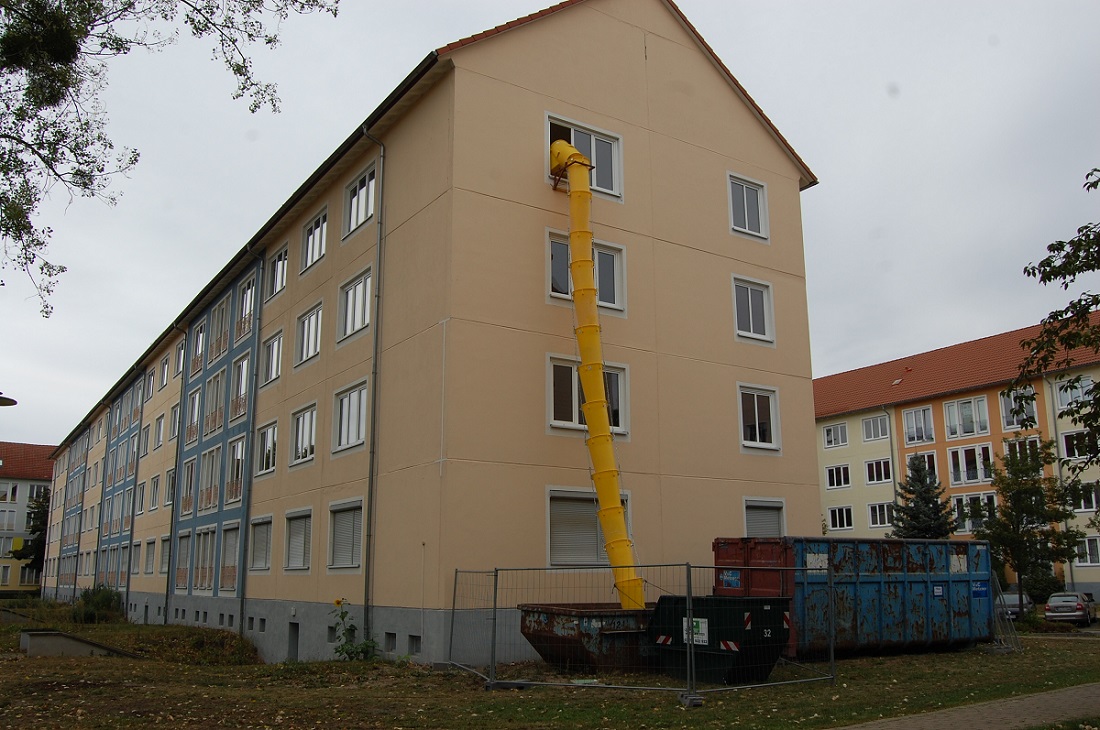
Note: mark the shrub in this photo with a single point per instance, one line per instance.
(98, 605)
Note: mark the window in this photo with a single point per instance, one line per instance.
(165, 554)
(601, 148)
(272, 359)
(260, 559)
(139, 506)
(163, 374)
(576, 537)
(174, 422)
(158, 432)
(246, 296)
(187, 486)
(1078, 445)
(929, 461)
(183, 560)
(313, 241)
(878, 471)
(918, 425)
(227, 579)
(880, 515)
(568, 396)
(1073, 390)
(1010, 420)
(840, 518)
(1090, 497)
(154, 493)
(966, 417)
(193, 413)
(837, 476)
(145, 434)
(298, 541)
(748, 207)
(351, 417)
(752, 302)
(1088, 551)
(266, 437)
(971, 464)
(169, 486)
(276, 273)
(219, 329)
(354, 305)
(608, 273)
(763, 518)
(238, 398)
(210, 477)
(305, 423)
(150, 556)
(150, 383)
(198, 347)
(204, 560)
(309, 334)
(836, 435)
(179, 359)
(215, 403)
(346, 531)
(967, 509)
(759, 417)
(360, 201)
(875, 428)
(1023, 449)
(234, 482)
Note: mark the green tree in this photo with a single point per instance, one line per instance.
(1066, 334)
(922, 512)
(53, 66)
(1027, 529)
(34, 549)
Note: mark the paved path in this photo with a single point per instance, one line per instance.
(1025, 711)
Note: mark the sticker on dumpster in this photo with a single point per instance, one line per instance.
(731, 578)
(980, 589)
(700, 630)
(937, 591)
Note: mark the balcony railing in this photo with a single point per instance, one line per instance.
(213, 420)
(186, 503)
(191, 432)
(181, 577)
(244, 326)
(228, 579)
(233, 490)
(238, 406)
(196, 363)
(208, 497)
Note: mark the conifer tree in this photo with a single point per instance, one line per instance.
(922, 512)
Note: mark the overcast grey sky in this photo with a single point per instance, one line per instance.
(951, 140)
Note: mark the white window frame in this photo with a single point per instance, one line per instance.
(345, 526)
(238, 387)
(1009, 421)
(236, 465)
(1068, 394)
(1075, 445)
(919, 427)
(612, 373)
(303, 435)
(349, 414)
(158, 432)
(568, 509)
(359, 198)
(277, 269)
(259, 543)
(966, 525)
(878, 471)
(604, 255)
(307, 329)
(314, 236)
(838, 476)
(272, 358)
(838, 516)
(246, 307)
(876, 428)
(955, 421)
(758, 391)
(614, 142)
(738, 189)
(355, 302)
(1088, 551)
(880, 515)
(154, 492)
(266, 447)
(301, 522)
(983, 470)
(835, 435)
(1090, 498)
(765, 305)
(929, 461)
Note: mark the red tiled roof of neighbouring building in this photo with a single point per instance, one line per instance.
(26, 461)
(986, 362)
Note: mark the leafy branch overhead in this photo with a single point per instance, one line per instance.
(53, 67)
(1068, 334)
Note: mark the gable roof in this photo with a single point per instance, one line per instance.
(26, 461)
(982, 363)
(807, 177)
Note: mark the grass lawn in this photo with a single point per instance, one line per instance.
(202, 678)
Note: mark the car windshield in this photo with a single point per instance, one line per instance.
(1063, 599)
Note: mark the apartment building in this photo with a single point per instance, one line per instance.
(946, 406)
(380, 387)
(25, 475)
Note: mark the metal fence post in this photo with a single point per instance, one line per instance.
(690, 638)
(832, 618)
(451, 637)
(493, 642)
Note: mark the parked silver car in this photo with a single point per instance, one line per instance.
(1076, 607)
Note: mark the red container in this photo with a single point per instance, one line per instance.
(742, 566)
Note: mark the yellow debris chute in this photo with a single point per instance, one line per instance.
(566, 161)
